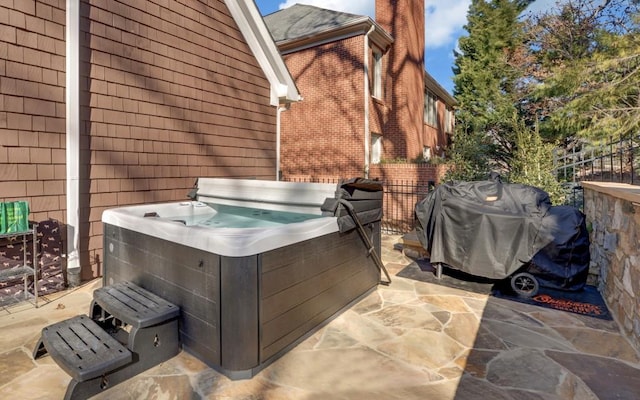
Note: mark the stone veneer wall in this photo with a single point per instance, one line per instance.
(613, 213)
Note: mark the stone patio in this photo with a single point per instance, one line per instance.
(409, 340)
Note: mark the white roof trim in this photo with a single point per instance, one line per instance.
(252, 26)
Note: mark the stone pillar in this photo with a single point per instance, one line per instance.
(613, 215)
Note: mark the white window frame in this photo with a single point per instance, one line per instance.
(430, 109)
(376, 148)
(448, 120)
(376, 89)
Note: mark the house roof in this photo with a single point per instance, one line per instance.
(302, 20)
(252, 26)
(302, 26)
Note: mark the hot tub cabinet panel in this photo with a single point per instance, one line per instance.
(302, 286)
(187, 277)
(239, 314)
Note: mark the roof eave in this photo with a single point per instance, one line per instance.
(255, 32)
(431, 84)
(356, 27)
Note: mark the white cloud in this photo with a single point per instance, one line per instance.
(443, 20)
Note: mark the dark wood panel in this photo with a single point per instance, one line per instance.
(286, 300)
(278, 258)
(187, 277)
(239, 312)
(337, 279)
(323, 307)
(314, 261)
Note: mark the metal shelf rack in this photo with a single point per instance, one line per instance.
(24, 270)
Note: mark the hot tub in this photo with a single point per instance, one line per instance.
(255, 266)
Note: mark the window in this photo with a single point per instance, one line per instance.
(376, 148)
(426, 153)
(448, 122)
(430, 109)
(376, 88)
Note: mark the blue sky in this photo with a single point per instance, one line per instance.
(443, 20)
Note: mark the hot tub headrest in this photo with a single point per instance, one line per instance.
(301, 197)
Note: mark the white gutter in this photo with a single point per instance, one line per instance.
(278, 127)
(73, 139)
(367, 95)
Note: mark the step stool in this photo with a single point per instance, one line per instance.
(129, 330)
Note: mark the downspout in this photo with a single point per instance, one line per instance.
(279, 111)
(367, 95)
(73, 139)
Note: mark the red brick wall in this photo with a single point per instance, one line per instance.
(403, 135)
(408, 172)
(170, 92)
(32, 105)
(323, 135)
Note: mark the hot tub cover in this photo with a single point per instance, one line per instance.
(365, 196)
(492, 229)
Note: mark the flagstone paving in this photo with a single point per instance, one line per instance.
(408, 340)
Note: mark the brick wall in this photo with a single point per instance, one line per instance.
(408, 172)
(404, 130)
(324, 134)
(170, 92)
(32, 105)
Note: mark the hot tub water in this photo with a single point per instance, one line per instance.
(225, 216)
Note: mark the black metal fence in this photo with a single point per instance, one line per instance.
(616, 160)
(400, 198)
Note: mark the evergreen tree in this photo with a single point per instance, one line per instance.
(583, 69)
(532, 162)
(484, 84)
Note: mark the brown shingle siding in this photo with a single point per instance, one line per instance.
(27, 172)
(13, 189)
(47, 204)
(18, 121)
(44, 173)
(172, 93)
(16, 19)
(40, 155)
(8, 172)
(27, 38)
(35, 188)
(28, 139)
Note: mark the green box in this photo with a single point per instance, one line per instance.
(17, 216)
(3, 218)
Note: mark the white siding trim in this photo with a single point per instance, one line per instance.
(73, 137)
(252, 26)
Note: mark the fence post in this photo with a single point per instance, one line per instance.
(631, 150)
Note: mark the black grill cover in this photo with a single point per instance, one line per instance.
(492, 229)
